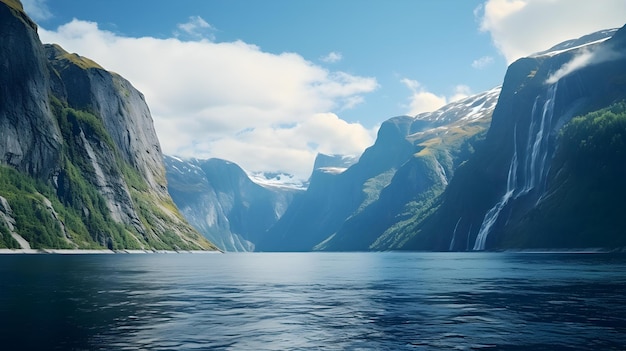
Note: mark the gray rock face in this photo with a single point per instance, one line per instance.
(30, 141)
(121, 107)
(109, 182)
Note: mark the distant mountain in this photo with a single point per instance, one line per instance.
(220, 200)
(409, 165)
(80, 162)
(544, 178)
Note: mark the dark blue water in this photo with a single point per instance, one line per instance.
(314, 301)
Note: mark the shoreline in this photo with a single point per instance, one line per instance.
(97, 252)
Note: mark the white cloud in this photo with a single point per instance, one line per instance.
(460, 92)
(231, 100)
(196, 28)
(422, 100)
(332, 57)
(482, 62)
(291, 148)
(520, 28)
(584, 58)
(37, 9)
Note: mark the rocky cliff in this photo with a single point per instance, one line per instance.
(80, 162)
(218, 198)
(30, 140)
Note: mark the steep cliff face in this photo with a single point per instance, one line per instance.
(90, 171)
(121, 107)
(218, 198)
(408, 166)
(498, 197)
(30, 141)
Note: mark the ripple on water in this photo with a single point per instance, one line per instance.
(318, 301)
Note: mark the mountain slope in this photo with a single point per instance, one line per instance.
(80, 163)
(218, 198)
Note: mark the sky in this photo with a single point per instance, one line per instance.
(269, 84)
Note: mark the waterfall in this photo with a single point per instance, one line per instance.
(537, 143)
(442, 173)
(534, 166)
(454, 235)
(492, 215)
(469, 235)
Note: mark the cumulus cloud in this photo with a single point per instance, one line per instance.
(482, 62)
(195, 28)
(37, 9)
(519, 28)
(422, 100)
(460, 92)
(271, 148)
(332, 57)
(231, 99)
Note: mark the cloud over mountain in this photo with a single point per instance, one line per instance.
(230, 99)
(521, 27)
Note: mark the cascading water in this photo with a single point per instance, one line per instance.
(492, 215)
(442, 173)
(454, 235)
(537, 144)
(533, 170)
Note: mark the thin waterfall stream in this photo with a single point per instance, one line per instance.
(533, 168)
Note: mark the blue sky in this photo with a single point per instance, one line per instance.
(268, 84)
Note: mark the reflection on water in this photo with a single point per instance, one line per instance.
(330, 301)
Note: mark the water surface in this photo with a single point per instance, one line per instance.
(314, 301)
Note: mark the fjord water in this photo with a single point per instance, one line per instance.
(314, 301)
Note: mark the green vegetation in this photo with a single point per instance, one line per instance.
(81, 209)
(66, 59)
(373, 187)
(18, 11)
(6, 240)
(408, 225)
(84, 219)
(14, 4)
(450, 148)
(585, 202)
(34, 221)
